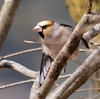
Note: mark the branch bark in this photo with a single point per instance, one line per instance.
(34, 88)
(18, 67)
(7, 15)
(89, 6)
(83, 78)
(19, 53)
(16, 84)
(79, 77)
(94, 31)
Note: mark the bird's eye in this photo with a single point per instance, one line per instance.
(44, 27)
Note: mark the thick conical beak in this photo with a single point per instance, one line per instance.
(37, 28)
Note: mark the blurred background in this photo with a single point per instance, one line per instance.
(29, 13)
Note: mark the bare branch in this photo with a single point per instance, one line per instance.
(88, 89)
(21, 52)
(16, 84)
(7, 15)
(18, 67)
(34, 88)
(78, 77)
(95, 65)
(64, 76)
(86, 50)
(94, 31)
(94, 78)
(89, 6)
(31, 42)
(91, 85)
(56, 84)
(94, 43)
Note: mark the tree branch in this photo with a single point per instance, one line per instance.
(87, 89)
(34, 88)
(16, 84)
(18, 67)
(94, 31)
(7, 15)
(82, 71)
(83, 78)
(79, 77)
(21, 52)
(89, 6)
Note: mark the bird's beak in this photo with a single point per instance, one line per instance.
(37, 29)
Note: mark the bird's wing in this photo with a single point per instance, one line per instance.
(45, 65)
(70, 28)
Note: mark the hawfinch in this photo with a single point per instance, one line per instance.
(53, 37)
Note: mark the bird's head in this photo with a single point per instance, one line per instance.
(45, 28)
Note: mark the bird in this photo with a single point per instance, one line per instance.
(53, 37)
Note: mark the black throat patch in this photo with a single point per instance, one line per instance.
(41, 35)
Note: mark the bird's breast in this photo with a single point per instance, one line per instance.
(51, 49)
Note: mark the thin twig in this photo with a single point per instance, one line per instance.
(91, 86)
(56, 84)
(89, 6)
(88, 89)
(78, 61)
(86, 50)
(31, 42)
(21, 52)
(64, 76)
(93, 78)
(16, 84)
(94, 44)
